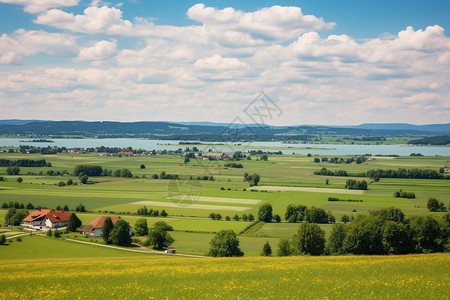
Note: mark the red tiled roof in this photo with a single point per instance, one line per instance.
(54, 216)
(87, 228)
(98, 223)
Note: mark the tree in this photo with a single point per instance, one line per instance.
(142, 166)
(212, 216)
(13, 170)
(164, 213)
(57, 234)
(120, 234)
(245, 217)
(345, 219)
(251, 218)
(364, 236)
(396, 238)
(236, 217)
(84, 179)
(49, 233)
(2, 239)
(9, 214)
(19, 179)
(106, 229)
(266, 250)
(316, 215)
(284, 247)
(80, 208)
(225, 244)
(69, 182)
(159, 237)
(66, 208)
(277, 218)
(309, 239)
(427, 234)
(336, 239)
(434, 205)
(163, 225)
(265, 213)
(126, 173)
(264, 157)
(74, 222)
(141, 228)
(186, 160)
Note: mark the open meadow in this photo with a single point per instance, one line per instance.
(91, 272)
(285, 179)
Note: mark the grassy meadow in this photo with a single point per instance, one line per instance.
(157, 277)
(42, 267)
(285, 179)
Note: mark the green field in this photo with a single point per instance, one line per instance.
(159, 277)
(285, 179)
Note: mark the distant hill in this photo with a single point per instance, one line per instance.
(406, 126)
(432, 140)
(211, 131)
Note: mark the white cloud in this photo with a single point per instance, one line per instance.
(95, 20)
(36, 6)
(100, 51)
(218, 63)
(273, 23)
(25, 43)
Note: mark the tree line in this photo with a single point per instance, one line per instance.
(385, 231)
(379, 173)
(24, 163)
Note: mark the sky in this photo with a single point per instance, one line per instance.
(317, 62)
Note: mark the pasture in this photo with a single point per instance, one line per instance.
(156, 277)
(285, 179)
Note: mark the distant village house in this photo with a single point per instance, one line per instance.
(47, 218)
(94, 229)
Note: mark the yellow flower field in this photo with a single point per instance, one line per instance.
(342, 277)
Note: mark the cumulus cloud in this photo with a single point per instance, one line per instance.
(228, 58)
(100, 51)
(273, 23)
(217, 62)
(36, 6)
(25, 43)
(95, 20)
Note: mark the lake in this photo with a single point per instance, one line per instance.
(321, 149)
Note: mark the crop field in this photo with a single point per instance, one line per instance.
(285, 179)
(156, 277)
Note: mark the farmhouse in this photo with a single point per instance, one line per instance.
(94, 229)
(47, 218)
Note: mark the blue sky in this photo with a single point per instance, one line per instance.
(322, 62)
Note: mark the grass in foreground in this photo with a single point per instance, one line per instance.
(340, 277)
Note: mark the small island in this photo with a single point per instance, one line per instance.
(37, 141)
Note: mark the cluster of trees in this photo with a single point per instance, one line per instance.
(163, 175)
(151, 212)
(14, 170)
(404, 194)
(265, 214)
(252, 179)
(225, 244)
(80, 208)
(405, 173)
(88, 170)
(385, 231)
(17, 205)
(15, 216)
(340, 160)
(158, 236)
(233, 165)
(326, 172)
(348, 200)
(123, 173)
(434, 205)
(217, 216)
(353, 184)
(116, 234)
(300, 213)
(24, 163)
